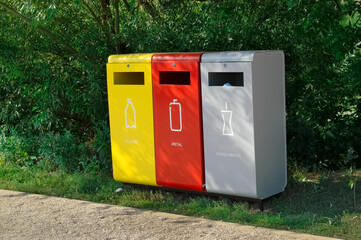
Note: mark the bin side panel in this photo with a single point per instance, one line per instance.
(228, 131)
(131, 124)
(177, 125)
(270, 122)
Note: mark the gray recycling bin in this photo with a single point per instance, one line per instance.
(243, 101)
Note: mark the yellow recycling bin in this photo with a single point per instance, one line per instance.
(130, 98)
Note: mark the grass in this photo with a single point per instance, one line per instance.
(316, 203)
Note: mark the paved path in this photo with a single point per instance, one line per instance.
(32, 216)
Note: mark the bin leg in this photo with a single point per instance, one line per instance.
(260, 204)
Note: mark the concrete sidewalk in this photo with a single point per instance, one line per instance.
(32, 216)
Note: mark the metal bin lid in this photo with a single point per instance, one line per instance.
(237, 56)
(131, 58)
(177, 57)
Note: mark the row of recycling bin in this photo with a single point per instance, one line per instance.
(211, 122)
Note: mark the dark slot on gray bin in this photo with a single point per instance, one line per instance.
(229, 78)
(175, 78)
(129, 78)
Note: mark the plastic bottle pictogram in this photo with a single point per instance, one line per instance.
(227, 122)
(130, 117)
(175, 116)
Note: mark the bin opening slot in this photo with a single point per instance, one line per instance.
(175, 78)
(234, 79)
(128, 78)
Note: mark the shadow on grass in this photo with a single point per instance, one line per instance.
(326, 196)
(323, 204)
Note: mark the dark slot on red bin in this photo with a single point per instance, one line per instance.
(175, 78)
(178, 121)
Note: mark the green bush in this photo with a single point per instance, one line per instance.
(16, 148)
(53, 78)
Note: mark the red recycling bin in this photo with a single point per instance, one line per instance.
(178, 120)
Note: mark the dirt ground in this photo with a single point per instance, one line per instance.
(31, 216)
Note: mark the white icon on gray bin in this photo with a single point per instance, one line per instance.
(227, 122)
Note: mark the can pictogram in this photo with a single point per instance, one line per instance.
(175, 116)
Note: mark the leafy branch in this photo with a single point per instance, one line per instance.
(41, 29)
(92, 13)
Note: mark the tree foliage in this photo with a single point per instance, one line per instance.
(53, 102)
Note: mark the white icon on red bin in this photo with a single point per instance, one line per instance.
(175, 116)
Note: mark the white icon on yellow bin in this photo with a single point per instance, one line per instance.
(175, 116)
(227, 122)
(130, 118)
